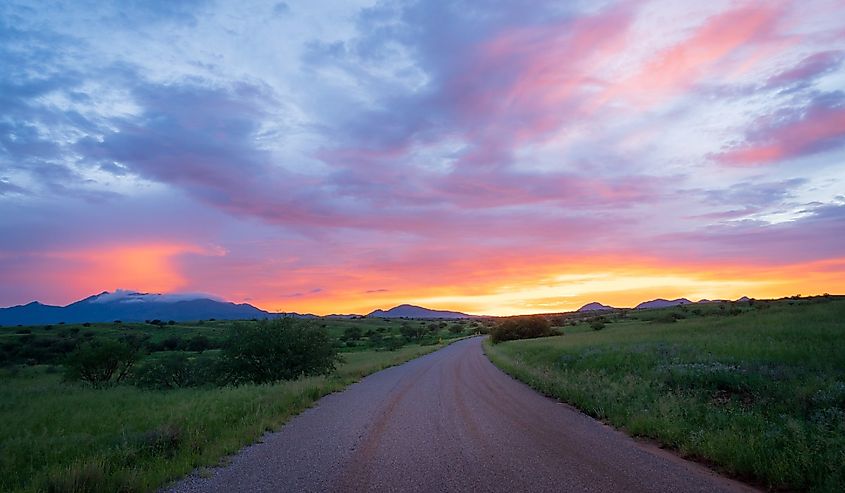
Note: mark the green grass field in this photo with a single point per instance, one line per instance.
(758, 390)
(61, 436)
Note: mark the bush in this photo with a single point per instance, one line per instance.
(101, 363)
(376, 340)
(281, 349)
(521, 328)
(163, 441)
(175, 371)
(352, 333)
(597, 324)
(199, 344)
(415, 331)
(394, 343)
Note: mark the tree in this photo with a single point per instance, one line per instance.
(101, 363)
(521, 328)
(280, 349)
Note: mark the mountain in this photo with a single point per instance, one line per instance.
(661, 303)
(412, 311)
(594, 306)
(130, 306)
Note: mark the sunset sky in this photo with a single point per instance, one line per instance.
(495, 157)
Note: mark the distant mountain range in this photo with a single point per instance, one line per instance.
(413, 311)
(658, 303)
(130, 306)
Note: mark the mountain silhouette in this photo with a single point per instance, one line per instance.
(413, 311)
(130, 306)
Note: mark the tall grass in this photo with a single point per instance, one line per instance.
(760, 394)
(64, 437)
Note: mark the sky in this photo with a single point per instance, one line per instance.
(489, 156)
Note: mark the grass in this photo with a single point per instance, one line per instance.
(70, 437)
(756, 390)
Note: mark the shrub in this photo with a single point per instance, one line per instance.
(597, 324)
(175, 371)
(376, 340)
(521, 328)
(163, 441)
(172, 343)
(101, 362)
(395, 343)
(199, 344)
(281, 349)
(415, 331)
(456, 328)
(352, 333)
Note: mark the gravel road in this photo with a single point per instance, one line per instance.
(450, 421)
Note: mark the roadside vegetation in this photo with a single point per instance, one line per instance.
(755, 388)
(132, 406)
(524, 327)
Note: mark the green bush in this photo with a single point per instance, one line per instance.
(352, 333)
(280, 349)
(177, 370)
(415, 332)
(521, 328)
(199, 344)
(394, 343)
(101, 362)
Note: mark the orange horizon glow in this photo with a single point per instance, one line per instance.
(486, 286)
(620, 285)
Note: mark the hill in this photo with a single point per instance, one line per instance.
(661, 303)
(413, 311)
(594, 306)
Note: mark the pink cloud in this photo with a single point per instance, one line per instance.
(807, 69)
(816, 130)
(677, 68)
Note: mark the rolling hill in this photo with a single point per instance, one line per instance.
(413, 311)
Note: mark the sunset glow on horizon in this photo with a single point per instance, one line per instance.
(487, 157)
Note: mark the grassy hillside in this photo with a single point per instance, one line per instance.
(68, 436)
(758, 389)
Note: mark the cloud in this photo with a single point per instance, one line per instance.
(791, 133)
(813, 236)
(130, 296)
(807, 71)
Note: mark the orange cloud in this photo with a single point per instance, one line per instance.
(145, 267)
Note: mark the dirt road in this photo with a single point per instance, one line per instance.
(450, 421)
